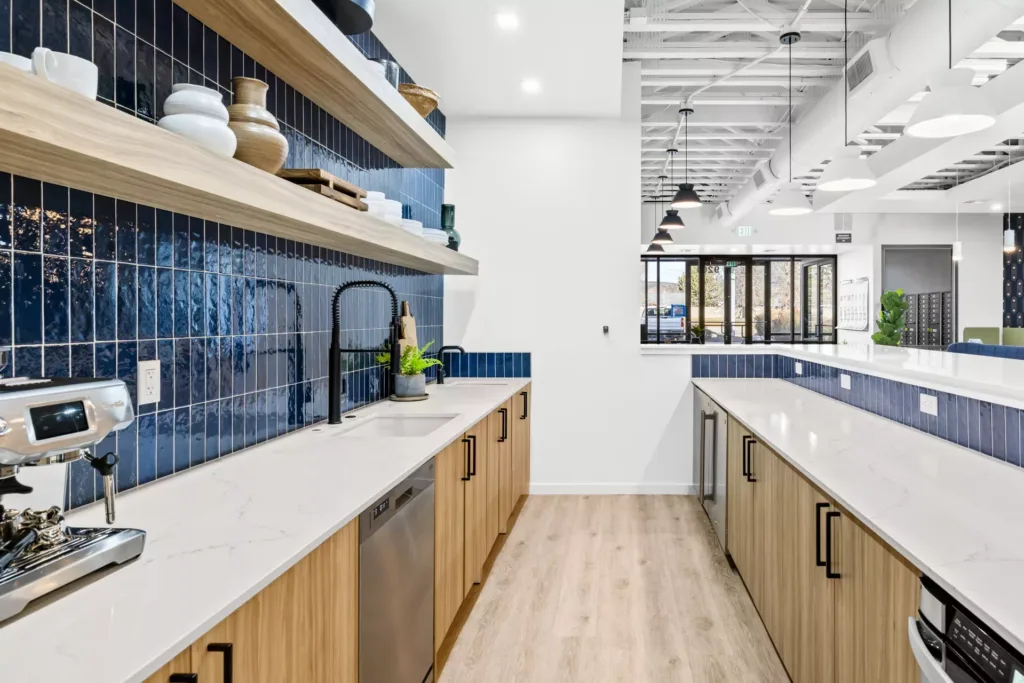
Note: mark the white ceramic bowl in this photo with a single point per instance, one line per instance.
(212, 134)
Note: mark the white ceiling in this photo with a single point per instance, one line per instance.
(573, 47)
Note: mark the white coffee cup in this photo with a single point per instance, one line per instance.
(74, 73)
(17, 61)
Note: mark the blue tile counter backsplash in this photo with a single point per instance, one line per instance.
(487, 364)
(734, 366)
(988, 428)
(239, 320)
(142, 47)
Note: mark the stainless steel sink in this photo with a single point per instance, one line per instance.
(395, 426)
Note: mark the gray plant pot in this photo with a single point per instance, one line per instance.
(410, 386)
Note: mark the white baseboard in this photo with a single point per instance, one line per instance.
(636, 489)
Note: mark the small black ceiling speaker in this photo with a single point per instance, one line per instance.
(350, 16)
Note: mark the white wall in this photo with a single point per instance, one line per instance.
(549, 208)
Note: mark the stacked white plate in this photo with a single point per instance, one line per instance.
(379, 206)
(414, 227)
(435, 236)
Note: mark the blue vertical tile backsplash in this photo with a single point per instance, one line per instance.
(988, 428)
(487, 365)
(239, 320)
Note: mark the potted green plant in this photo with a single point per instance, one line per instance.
(891, 321)
(697, 334)
(410, 382)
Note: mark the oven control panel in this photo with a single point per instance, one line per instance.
(982, 650)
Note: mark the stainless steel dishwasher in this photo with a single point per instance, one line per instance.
(396, 583)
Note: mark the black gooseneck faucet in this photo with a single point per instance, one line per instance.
(334, 382)
(441, 374)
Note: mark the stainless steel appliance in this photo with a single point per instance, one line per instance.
(951, 645)
(396, 583)
(710, 430)
(46, 422)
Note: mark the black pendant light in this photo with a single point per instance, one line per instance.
(686, 197)
(655, 248)
(662, 237)
(672, 221)
(350, 16)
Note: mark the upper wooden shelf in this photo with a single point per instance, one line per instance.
(293, 39)
(52, 134)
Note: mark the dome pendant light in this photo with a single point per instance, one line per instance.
(655, 248)
(686, 197)
(672, 221)
(847, 172)
(953, 107)
(790, 201)
(662, 237)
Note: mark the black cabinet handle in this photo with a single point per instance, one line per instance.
(526, 407)
(183, 678)
(750, 461)
(818, 507)
(504, 425)
(229, 660)
(829, 516)
(472, 469)
(466, 476)
(747, 471)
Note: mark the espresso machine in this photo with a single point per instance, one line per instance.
(54, 422)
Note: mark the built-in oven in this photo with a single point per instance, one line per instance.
(710, 427)
(951, 645)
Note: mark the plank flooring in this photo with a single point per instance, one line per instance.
(609, 589)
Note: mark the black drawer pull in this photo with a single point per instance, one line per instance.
(829, 516)
(229, 663)
(526, 405)
(183, 678)
(746, 472)
(504, 425)
(466, 476)
(472, 468)
(750, 460)
(818, 507)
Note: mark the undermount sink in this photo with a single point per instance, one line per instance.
(396, 426)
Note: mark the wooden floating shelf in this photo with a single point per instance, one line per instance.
(55, 135)
(294, 40)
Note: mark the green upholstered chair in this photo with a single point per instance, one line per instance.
(1013, 336)
(987, 335)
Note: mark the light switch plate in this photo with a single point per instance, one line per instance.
(149, 381)
(799, 368)
(844, 382)
(930, 404)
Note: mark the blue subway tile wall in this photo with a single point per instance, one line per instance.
(487, 364)
(142, 47)
(734, 366)
(239, 320)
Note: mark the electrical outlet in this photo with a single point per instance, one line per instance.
(844, 382)
(930, 404)
(149, 381)
(799, 367)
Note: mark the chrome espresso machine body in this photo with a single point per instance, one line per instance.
(54, 422)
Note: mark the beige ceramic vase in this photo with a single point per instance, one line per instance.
(260, 142)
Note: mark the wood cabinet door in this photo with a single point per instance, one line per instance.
(492, 454)
(782, 591)
(181, 664)
(502, 442)
(236, 638)
(815, 592)
(521, 417)
(761, 463)
(876, 593)
(476, 507)
(736, 518)
(451, 468)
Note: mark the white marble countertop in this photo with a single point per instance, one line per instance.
(999, 380)
(955, 514)
(217, 535)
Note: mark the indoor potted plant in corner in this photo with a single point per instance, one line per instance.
(891, 319)
(410, 382)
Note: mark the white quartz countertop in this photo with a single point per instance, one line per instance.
(999, 380)
(220, 533)
(955, 514)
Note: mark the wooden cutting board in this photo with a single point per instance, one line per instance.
(318, 176)
(408, 328)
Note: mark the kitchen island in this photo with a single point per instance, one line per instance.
(219, 534)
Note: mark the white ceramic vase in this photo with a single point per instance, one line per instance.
(199, 114)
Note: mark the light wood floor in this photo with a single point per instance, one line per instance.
(602, 589)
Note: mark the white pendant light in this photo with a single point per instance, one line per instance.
(1009, 241)
(790, 201)
(958, 251)
(847, 172)
(953, 107)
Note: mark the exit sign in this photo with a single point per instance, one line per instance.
(745, 231)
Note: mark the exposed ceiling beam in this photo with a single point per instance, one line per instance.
(716, 136)
(730, 22)
(1000, 49)
(715, 124)
(727, 50)
(746, 82)
(720, 101)
(711, 68)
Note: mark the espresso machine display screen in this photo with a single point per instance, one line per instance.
(59, 419)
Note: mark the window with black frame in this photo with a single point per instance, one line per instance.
(738, 300)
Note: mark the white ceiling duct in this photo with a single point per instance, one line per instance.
(883, 75)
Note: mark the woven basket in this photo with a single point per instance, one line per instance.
(423, 100)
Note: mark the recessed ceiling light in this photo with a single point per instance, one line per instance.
(531, 86)
(507, 21)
